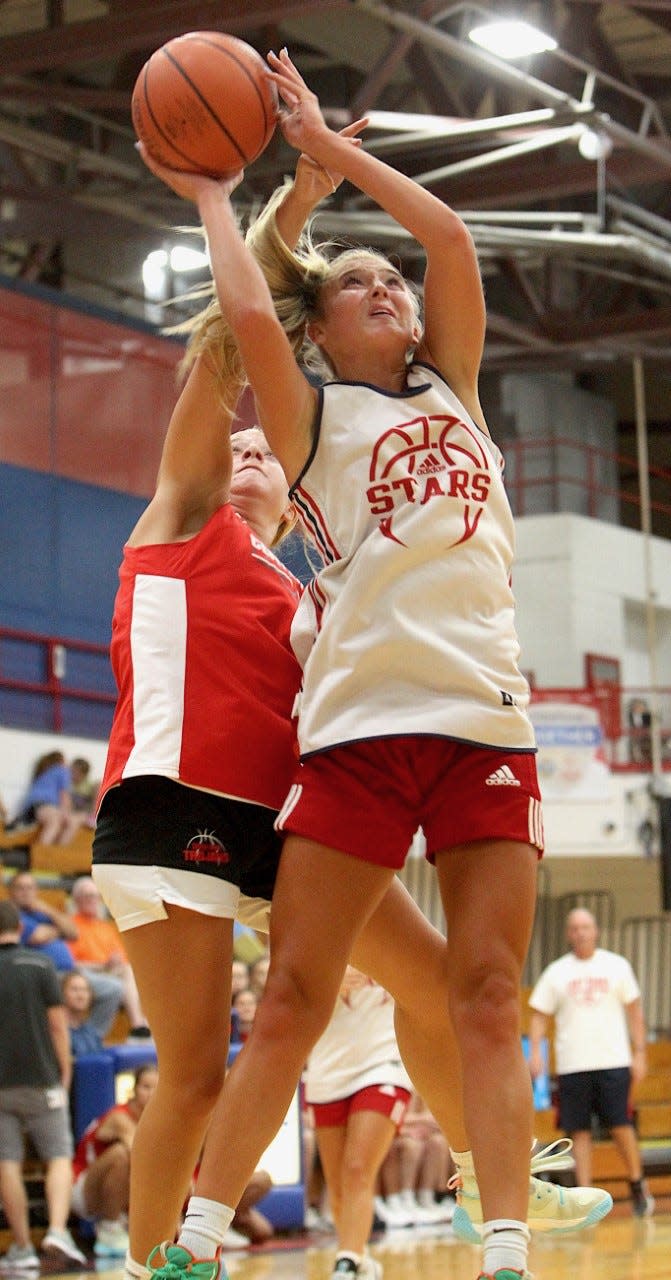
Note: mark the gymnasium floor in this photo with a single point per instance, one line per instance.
(620, 1248)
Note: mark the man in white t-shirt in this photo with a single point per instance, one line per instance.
(600, 1047)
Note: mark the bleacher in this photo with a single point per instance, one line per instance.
(22, 848)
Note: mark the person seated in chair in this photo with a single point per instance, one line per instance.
(101, 1166)
(48, 801)
(49, 930)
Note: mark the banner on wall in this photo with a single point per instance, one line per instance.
(571, 760)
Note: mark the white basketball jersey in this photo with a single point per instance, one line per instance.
(357, 1049)
(409, 627)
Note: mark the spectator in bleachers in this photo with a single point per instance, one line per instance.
(48, 800)
(42, 924)
(414, 1176)
(35, 1075)
(600, 1047)
(249, 1222)
(239, 977)
(49, 930)
(101, 1166)
(78, 999)
(83, 790)
(244, 1006)
(258, 972)
(98, 947)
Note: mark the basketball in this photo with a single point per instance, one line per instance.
(203, 103)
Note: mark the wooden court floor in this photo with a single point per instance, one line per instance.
(620, 1248)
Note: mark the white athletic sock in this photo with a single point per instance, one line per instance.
(135, 1270)
(505, 1245)
(348, 1253)
(394, 1201)
(204, 1226)
(463, 1161)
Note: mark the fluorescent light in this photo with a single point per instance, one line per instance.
(184, 258)
(410, 122)
(155, 274)
(512, 39)
(593, 145)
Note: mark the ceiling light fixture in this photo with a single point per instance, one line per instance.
(183, 258)
(594, 145)
(511, 39)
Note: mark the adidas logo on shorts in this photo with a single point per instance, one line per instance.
(503, 777)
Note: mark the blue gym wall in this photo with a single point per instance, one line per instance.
(86, 399)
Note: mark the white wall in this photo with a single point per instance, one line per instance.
(580, 588)
(19, 751)
(550, 408)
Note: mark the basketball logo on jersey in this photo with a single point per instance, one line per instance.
(435, 456)
(206, 847)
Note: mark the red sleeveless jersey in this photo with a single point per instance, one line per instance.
(90, 1147)
(203, 665)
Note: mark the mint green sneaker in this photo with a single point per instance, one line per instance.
(504, 1273)
(172, 1262)
(551, 1208)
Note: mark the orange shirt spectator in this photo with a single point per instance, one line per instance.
(99, 942)
(98, 946)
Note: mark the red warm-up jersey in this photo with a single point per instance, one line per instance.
(90, 1147)
(203, 665)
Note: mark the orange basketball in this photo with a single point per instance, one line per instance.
(203, 103)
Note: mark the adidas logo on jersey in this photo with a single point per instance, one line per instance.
(430, 465)
(503, 777)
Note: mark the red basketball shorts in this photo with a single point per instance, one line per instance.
(369, 798)
(388, 1099)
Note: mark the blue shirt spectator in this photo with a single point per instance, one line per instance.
(47, 929)
(48, 800)
(78, 1001)
(49, 786)
(42, 925)
(55, 948)
(85, 1039)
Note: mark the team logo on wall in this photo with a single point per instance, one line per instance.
(437, 456)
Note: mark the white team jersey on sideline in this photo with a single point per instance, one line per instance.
(409, 627)
(357, 1049)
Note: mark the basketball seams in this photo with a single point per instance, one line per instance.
(194, 88)
(157, 124)
(173, 111)
(239, 59)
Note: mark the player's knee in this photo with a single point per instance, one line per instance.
(196, 1085)
(292, 1007)
(487, 1005)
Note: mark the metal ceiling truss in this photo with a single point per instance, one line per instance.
(536, 206)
